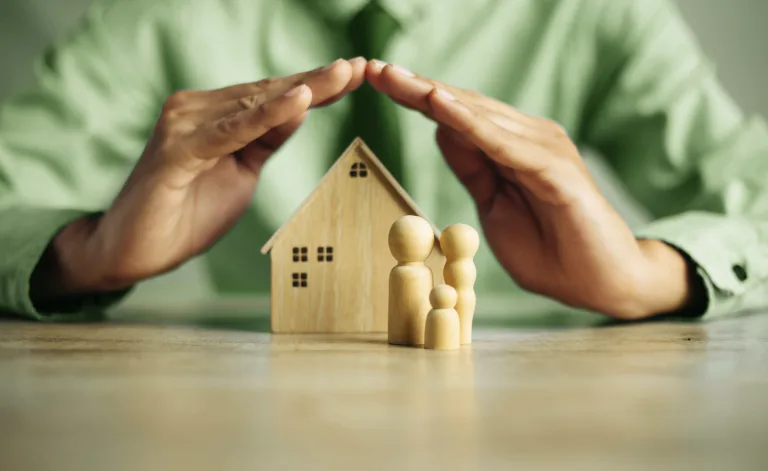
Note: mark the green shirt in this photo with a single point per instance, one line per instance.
(624, 77)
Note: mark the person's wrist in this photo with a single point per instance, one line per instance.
(72, 265)
(664, 282)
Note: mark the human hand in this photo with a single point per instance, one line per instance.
(194, 180)
(542, 214)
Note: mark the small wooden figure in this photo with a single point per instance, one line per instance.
(329, 261)
(442, 331)
(460, 243)
(411, 241)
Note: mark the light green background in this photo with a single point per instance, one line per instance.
(732, 34)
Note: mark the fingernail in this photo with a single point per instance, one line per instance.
(378, 65)
(445, 94)
(331, 65)
(357, 58)
(294, 91)
(403, 70)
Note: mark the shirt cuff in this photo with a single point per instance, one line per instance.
(24, 237)
(729, 258)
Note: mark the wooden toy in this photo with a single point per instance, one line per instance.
(442, 330)
(411, 240)
(330, 260)
(460, 243)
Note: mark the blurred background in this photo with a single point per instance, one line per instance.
(732, 33)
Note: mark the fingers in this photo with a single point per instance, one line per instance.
(216, 111)
(356, 79)
(327, 83)
(400, 84)
(256, 153)
(505, 138)
(522, 129)
(501, 146)
(233, 132)
(412, 91)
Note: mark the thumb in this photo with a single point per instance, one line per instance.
(257, 152)
(470, 165)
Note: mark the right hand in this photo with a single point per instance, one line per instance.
(194, 180)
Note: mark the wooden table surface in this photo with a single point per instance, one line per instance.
(139, 395)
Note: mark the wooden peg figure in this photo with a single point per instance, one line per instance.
(411, 240)
(459, 243)
(442, 331)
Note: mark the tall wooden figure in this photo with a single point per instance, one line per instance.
(460, 243)
(411, 240)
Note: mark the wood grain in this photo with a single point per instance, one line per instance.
(443, 329)
(655, 396)
(352, 215)
(460, 243)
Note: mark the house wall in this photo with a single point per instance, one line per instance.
(291, 307)
(350, 294)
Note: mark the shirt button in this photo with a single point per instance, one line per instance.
(740, 272)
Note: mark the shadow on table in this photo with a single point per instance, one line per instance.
(260, 322)
(255, 318)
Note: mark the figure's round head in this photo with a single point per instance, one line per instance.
(411, 239)
(459, 241)
(443, 297)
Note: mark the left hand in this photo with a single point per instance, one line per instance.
(543, 216)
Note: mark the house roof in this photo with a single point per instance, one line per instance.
(357, 144)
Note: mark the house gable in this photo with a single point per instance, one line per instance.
(355, 153)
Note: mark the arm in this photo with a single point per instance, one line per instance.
(684, 150)
(79, 225)
(65, 148)
(545, 218)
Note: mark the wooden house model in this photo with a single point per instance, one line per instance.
(330, 262)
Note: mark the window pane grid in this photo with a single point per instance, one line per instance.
(300, 254)
(358, 169)
(299, 280)
(325, 253)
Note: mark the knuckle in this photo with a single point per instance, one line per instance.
(177, 100)
(227, 125)
(473, 94)
(167, 117)
(172, 123)
(556, 128)
(249, 102)
(265, 84)
(470, 125)
(165, 125)
(268, 113)
(501, 152)
(257, 89)
(181, 126)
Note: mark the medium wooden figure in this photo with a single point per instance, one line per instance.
(411, 241)
(330, 260)
(460, 243)
(442, 330)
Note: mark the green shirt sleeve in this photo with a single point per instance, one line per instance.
(69, 143)
(683, 149)
(24, 241)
